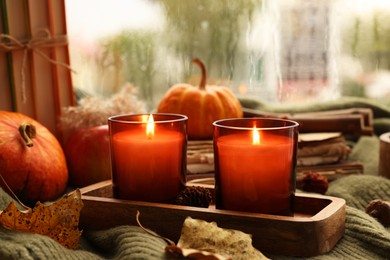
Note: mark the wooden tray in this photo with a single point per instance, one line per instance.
(317, 225)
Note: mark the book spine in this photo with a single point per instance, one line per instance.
(43, 83)
(7, 85)
(18, 29)
(62, 75)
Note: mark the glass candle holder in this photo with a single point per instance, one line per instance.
(255, 161)
(148, 156)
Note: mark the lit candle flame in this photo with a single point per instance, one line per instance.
(145, 118)
(150, 127)
(256, 136)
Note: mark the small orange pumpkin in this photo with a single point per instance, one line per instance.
(202, 105)
(32, 161)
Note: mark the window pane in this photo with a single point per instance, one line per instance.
(277, 51)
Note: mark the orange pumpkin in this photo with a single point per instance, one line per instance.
(32, 161)
(202, 105)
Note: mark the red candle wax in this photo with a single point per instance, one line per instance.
(148, 168)
(255, 177)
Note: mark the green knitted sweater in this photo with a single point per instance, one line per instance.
(364, 238)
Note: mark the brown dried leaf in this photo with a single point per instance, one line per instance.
(207, 236)
(58, 220)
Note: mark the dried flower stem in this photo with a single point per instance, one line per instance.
(13, 195)
(170, 242)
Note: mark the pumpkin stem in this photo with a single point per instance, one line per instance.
(202, 84)
(27, 131)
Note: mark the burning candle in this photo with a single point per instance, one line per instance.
(254, 164)
(148, 156)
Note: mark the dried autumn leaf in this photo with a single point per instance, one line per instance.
(178, 252)
(58, 220)
(207, 236)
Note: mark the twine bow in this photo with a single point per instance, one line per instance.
(42, 39)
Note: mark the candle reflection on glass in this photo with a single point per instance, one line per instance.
(148, 156)
(255, 161)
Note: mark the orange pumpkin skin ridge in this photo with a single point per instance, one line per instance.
(33, 173)
(202, 106)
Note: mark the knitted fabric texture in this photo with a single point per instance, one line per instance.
(364, 238)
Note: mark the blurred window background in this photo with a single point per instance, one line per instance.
(279, 51)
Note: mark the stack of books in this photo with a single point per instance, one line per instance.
(326, 154)
(322, 145)
(351, 121)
